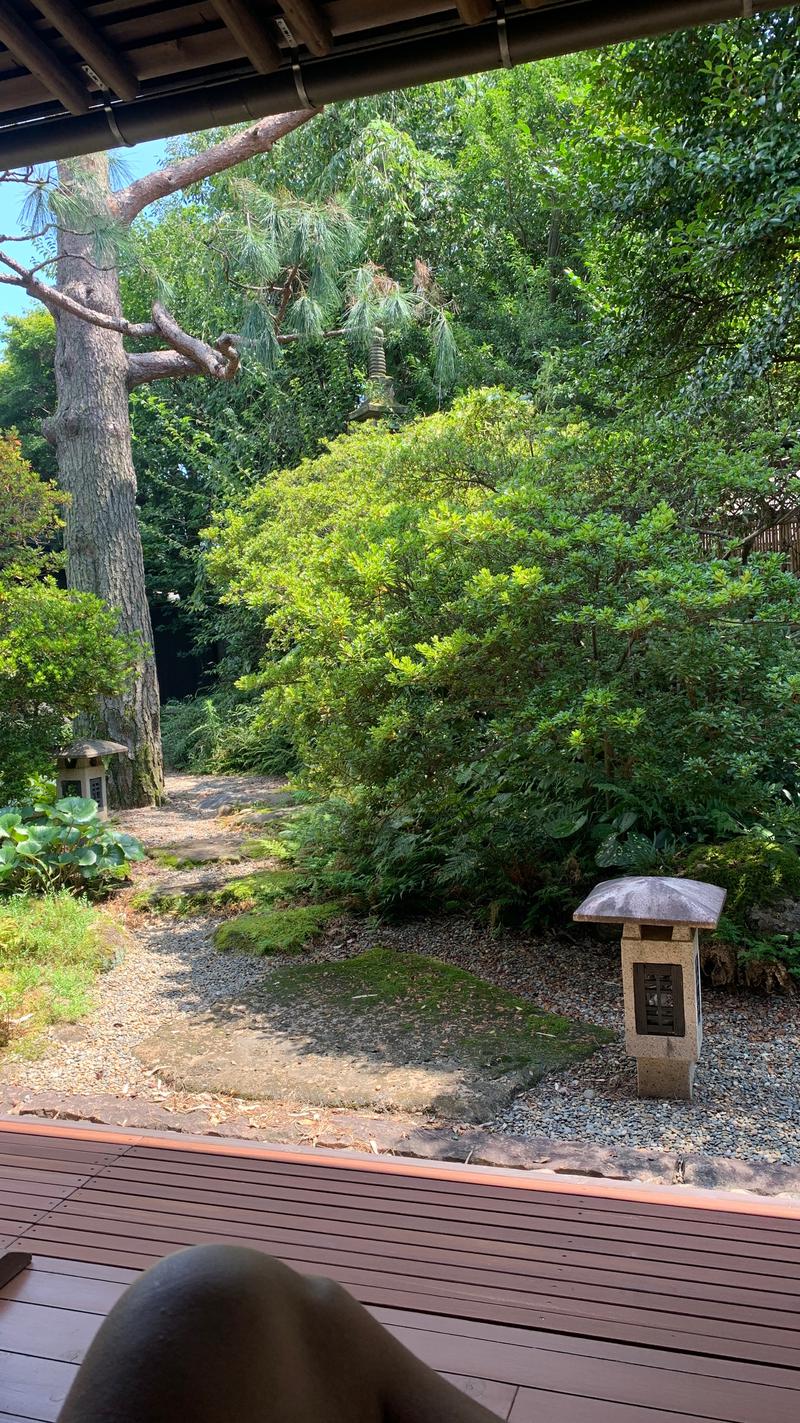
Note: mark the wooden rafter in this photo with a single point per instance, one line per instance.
(473, 11)
(308, 25)
(251, 33)
(103, 59)
(32, 52)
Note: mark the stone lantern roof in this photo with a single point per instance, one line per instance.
(653, 899)
(94, 748)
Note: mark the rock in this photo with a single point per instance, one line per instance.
(244, 1058)
(780, 918)
(725, 1174)
(106, 1110)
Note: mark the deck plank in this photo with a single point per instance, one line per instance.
(550, 1306)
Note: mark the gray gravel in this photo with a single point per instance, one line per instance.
(169, 969)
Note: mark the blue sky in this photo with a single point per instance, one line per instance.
(137, 160)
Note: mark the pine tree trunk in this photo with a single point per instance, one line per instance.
(92, 437)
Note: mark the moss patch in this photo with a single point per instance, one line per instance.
(405, 996)
(262, 888)
(273, 931)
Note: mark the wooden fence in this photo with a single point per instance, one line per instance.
(783, 538)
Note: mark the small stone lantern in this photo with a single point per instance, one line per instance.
(660, 918)
(81, 770)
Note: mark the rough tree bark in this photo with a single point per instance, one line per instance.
(91, 426)
(92, 438)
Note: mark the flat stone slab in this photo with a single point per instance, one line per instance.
(206, 1055)
(383, 1031)
(430, 1143)
(211, 850)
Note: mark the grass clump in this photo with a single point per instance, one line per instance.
(52, 949)
(273, 931)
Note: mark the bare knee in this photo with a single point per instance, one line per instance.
(220, 1283)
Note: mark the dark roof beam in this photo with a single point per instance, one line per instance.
(29, 50)
(308, 25)
(473, 11)
(251, 33)
(104, 61)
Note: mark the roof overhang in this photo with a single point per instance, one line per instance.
(77, 76)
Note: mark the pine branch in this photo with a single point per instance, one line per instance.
(259, 138)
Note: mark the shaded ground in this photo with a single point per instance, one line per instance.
(385, 1030)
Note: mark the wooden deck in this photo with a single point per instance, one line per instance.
(550, 1301)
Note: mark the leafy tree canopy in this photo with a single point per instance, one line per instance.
(497, 670)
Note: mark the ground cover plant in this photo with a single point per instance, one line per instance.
(62, 843)
(52, 949)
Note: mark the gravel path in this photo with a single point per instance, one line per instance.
(747, 1099)
(199, 805)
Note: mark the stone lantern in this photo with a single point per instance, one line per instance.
(660, 918)
(81, 770)
(378, 400)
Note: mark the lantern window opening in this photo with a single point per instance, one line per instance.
(658, 1000)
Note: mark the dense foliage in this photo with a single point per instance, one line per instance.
(527, 635)
(58, 649)
(501, 677)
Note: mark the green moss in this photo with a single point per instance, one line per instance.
(262, 888)
(754, 871)
(387, 996)
(154, 901)
(273, 931)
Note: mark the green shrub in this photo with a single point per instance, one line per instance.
(59, 649)
(62, 844)
(52, 947)
(500, 663)
(754, 870)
